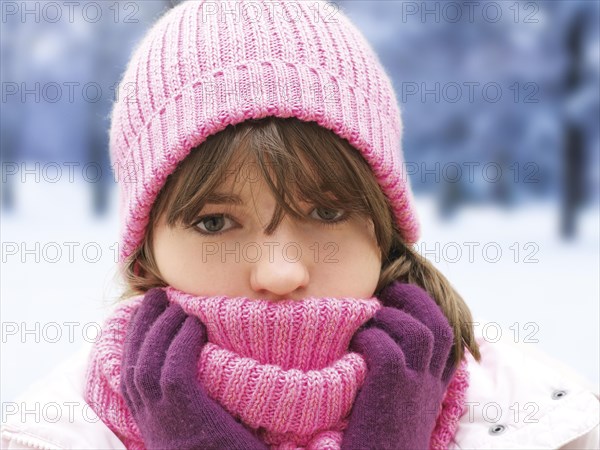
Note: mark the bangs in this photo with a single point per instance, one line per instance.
(299, 161)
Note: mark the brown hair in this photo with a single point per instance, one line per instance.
(307, 161)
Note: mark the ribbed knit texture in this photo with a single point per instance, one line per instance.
(199, 69)
(283, 368)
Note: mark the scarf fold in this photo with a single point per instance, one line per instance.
(281, 368)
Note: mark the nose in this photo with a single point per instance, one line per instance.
(281, 272)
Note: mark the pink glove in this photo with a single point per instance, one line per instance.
(406, 346)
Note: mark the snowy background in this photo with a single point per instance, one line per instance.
(542, 290)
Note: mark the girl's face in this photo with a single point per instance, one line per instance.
(228, 253)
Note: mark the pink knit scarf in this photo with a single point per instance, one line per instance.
(282, 368)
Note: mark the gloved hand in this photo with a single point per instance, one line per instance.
(160, 385)
(406, 346)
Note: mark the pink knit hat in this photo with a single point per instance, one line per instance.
(205, 65)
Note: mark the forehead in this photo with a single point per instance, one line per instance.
(244, 174)
(246, 191)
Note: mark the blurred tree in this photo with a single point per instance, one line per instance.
(573, 155)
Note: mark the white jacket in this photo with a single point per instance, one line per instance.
(518, 398)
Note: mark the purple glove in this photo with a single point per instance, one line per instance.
(406, 346)
(160, 385)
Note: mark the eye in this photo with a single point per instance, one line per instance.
(213, 224)
(330, 216)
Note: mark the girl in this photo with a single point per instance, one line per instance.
(272, 298)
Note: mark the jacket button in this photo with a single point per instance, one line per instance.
(497, 429)
(558, 394)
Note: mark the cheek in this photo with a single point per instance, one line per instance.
(167, 260)
(359, 242)
(193, 265)
(352, 262)
(361, 258)
(175, 255)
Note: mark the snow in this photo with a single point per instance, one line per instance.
(50, 309)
